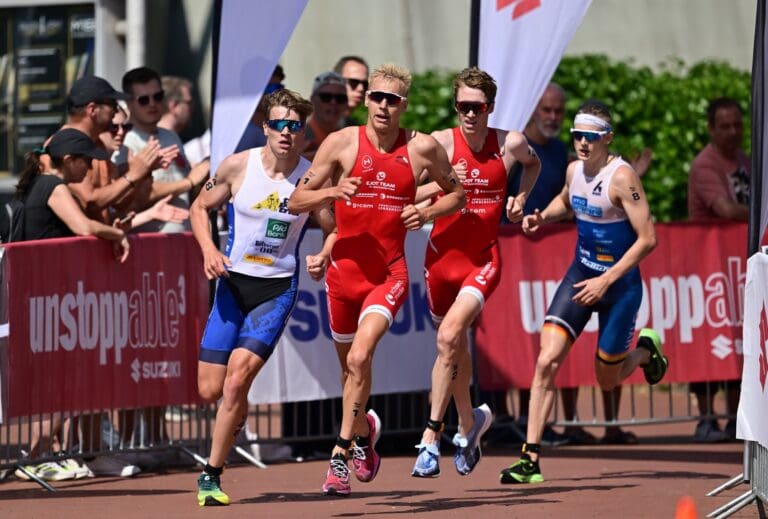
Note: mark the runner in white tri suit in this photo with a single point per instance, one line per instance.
(257, 276)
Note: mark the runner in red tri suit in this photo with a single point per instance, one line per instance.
(370, 174)
(462, 260)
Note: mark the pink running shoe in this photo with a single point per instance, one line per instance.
(337, 478)
(365, 460)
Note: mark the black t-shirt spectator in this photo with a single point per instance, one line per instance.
(40, 221)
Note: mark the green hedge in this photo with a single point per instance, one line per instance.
(664, 110)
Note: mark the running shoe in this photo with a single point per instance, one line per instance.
(54, 471)
(365, 460)
(428, 462)
(468, 452)
(337, 478)
(209, 491)
(523, 471)
(657, 365)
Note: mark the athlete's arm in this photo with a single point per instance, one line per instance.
(317, 187)
(558, 209)
(427, 189)
(432, 157)
(318, 263)
(214, 193)
(516, 145)
(625, 191)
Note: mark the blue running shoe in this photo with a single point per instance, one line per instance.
(428, 462)
(468, 449)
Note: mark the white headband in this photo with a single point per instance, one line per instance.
(593, 120)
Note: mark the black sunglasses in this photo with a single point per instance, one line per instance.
(156, 97)
(354, 83)
(325, 97)
(281, 124)
(478, 108)
(125, 126)
(377, 96)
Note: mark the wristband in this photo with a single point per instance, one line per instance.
(130, 182)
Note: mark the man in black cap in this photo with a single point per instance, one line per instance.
(91, 105)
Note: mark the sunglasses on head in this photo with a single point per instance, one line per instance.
(377, 96)
(281, 124)
(354, 83)
(156, 97)
(590, 135)
(326, 97)
(466, 106)
(125, 126)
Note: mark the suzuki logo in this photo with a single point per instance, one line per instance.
(521, 8)
(136, 370)
(762, 358)
(721, 347)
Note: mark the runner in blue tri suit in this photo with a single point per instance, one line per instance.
(257, 275)
(615, 232)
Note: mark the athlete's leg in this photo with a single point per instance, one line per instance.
(233, 408)
(342, 351)
(452, 370)
(357, 388)
(555, 345)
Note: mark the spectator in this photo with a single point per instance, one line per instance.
(329, 98)
(145, 105)
(51, 211)
(178, 104)
(718, 189)
(354, 70)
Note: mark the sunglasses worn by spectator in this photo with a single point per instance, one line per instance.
(325, 97)
(377, 96)
(156, 97)
(281, 124)
(354, 83)
(125, 126)
(590, 135)
(466, 106)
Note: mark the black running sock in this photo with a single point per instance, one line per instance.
(213, 471)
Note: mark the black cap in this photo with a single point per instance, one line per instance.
(92, 88)
(74, 142)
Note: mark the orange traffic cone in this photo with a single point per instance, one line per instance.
(686, 508)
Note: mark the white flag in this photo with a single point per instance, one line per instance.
(521, 43)
(252, 37)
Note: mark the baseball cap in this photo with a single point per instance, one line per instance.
(328, 78)
(88, 89)
(74, 142)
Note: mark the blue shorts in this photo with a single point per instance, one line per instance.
(248, 313)
(617, 311)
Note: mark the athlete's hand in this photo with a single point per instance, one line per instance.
(515, 208)
(346, 188)
(316, 266)
(591, 291)
(532, 222)
(412, 217)
(215, 263)
(461, 170)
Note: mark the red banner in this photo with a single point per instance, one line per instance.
(693, 296)
(86, 332)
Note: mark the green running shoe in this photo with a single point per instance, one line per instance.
(656, 368)
(524, 471)
(209, 491)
